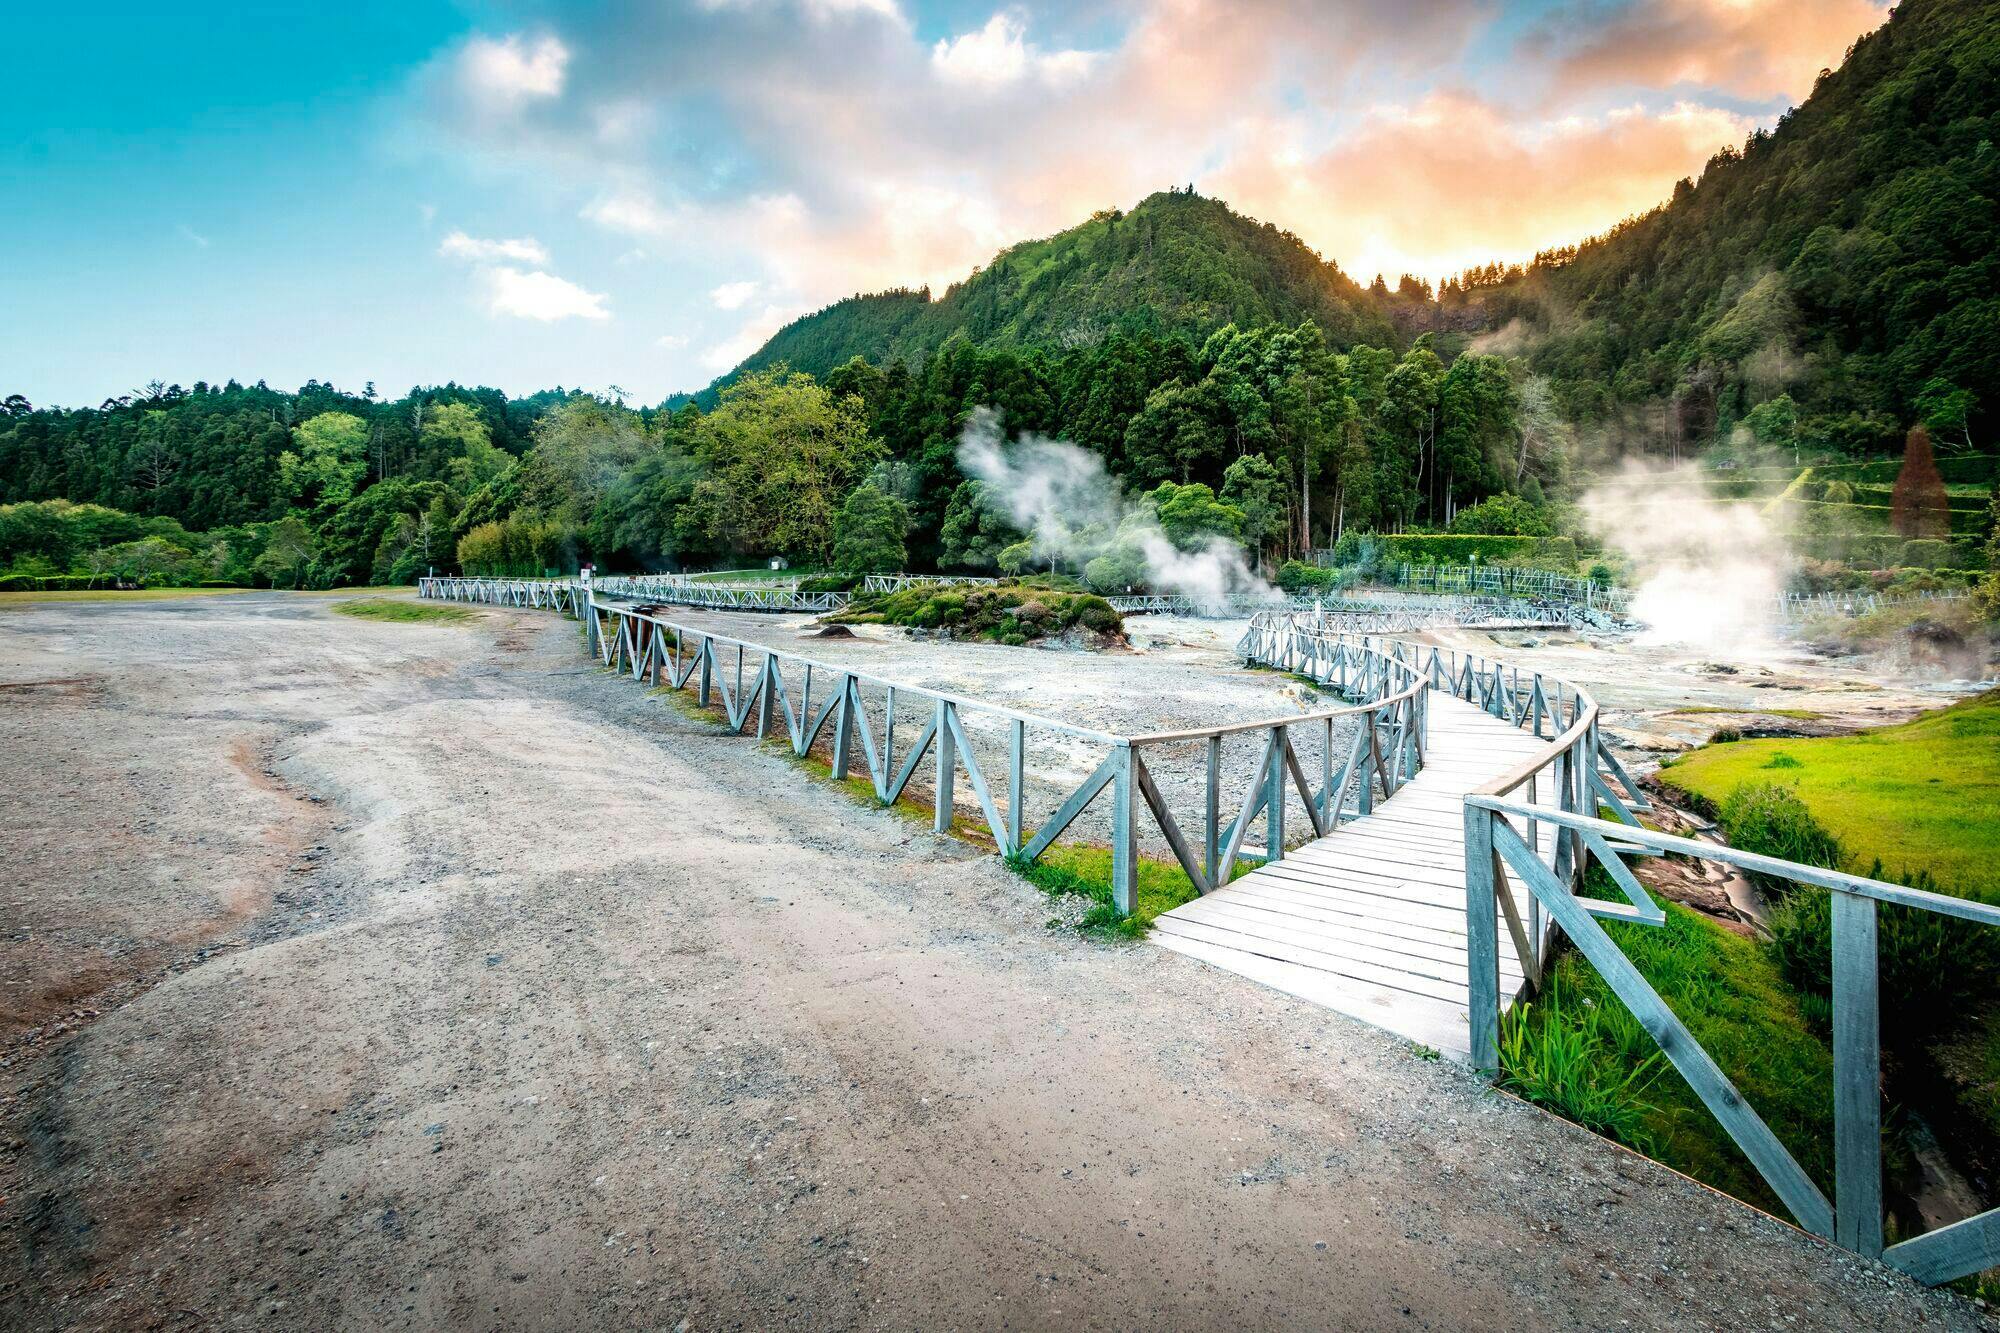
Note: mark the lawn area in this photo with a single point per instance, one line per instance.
(8, 599)
(405, 613)
(1924, 795)
(758, 575)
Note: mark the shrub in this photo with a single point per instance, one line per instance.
(1503, 515)
(1932, 553)
(1933, 968)
(1007, 613)
(831, 583)
(1769, 818)
(1297, 576)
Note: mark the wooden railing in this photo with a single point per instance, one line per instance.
(1504, 843)
(1854, 1217)
(774, 693)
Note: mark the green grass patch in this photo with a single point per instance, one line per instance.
(757, 575)
(1693, 710)
(32, 598)
(1085, 872)
(405, 613)
(1579, 1052)
(1923, 796)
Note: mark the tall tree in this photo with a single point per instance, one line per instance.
(781, 454)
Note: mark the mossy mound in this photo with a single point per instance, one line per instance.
(1009, 613)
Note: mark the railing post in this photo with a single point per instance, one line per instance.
(1211, 843)
(1482, 930)
(765, 695)
(707, 668)
(1857, 1077)
(1016, 796)
(1124, 840)
(947, 768)
(1274, 799)
(842, 729)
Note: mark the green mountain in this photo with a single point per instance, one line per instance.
(1177, 263)
(1847, 261)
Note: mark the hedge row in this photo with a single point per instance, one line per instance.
(1885, 552)
(47, 582)
(1968, 521)
(1455, 549)
(1951, 467)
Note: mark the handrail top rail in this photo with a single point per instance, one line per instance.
(1066, 728)
(1839, 881)
(1586, 716)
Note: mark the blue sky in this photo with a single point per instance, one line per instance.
(636, 192)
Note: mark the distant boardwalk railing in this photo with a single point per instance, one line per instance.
(1361, 612)
(673, 589)
(1806, 606)
(877, 585)
(760, 688)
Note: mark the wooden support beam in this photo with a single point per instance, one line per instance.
(1857, 1077)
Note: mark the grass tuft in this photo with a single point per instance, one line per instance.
(405, 613)
(1085, 872)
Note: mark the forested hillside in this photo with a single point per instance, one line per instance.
(1842, 271)
(1808, 301)
(1177, 264)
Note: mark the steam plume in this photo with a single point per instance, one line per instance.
(1076, 512)
(1709, 574)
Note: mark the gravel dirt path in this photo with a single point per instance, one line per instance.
(394, 976)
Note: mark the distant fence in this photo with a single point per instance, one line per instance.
(1364, 612)
(669, 589)
(879, 585)
(1808, 606)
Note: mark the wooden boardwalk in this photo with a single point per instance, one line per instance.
(1370, 919)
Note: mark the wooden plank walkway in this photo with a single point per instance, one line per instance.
(1370, 919)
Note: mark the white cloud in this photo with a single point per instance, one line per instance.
(732, 295)
(513, 69)
(673, 342)
(726, 354)
(1000, 54)
(630, 210)
(193, 237)
(524, 250)
(428, 212)
(833, 9)
(539, 296)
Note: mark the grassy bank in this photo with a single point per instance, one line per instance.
(406, 613)
(1922, 796)
(1579, 1052)
(33, 598)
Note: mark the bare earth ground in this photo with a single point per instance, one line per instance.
(371, 975)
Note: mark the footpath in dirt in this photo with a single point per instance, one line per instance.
(374, 975)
